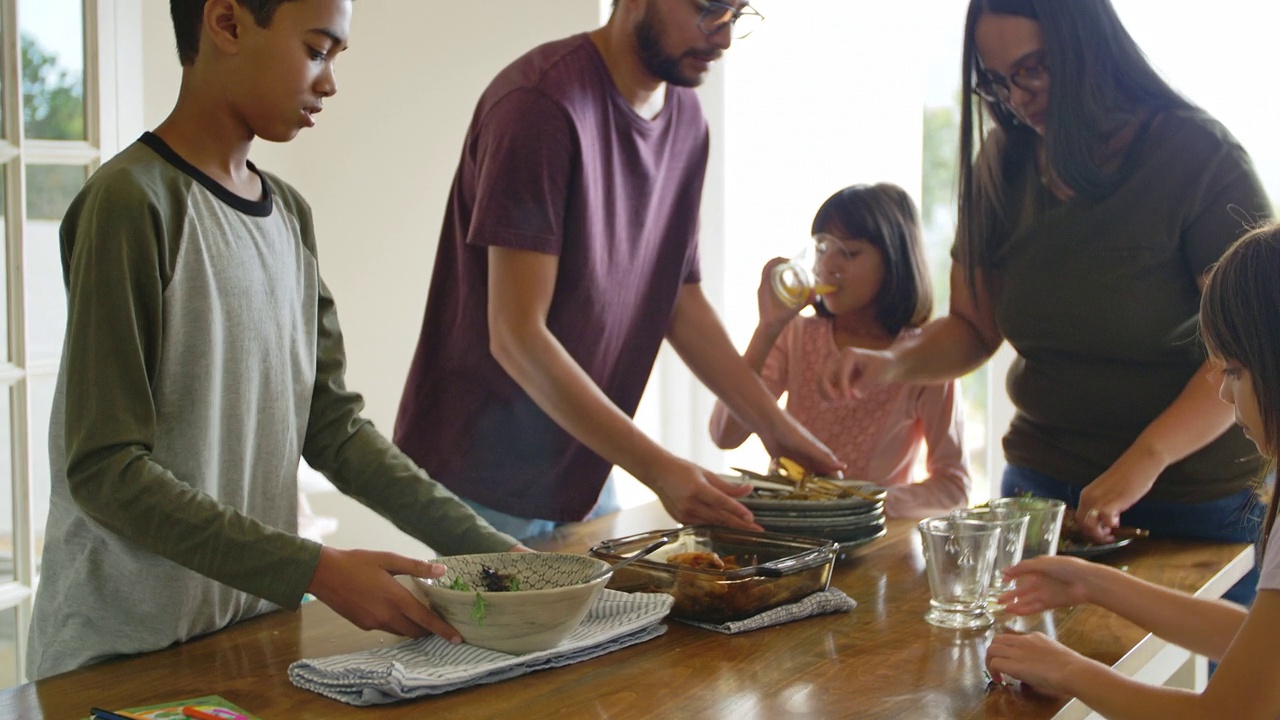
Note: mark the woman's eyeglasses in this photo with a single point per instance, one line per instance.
(715, 16)
(1031, 76)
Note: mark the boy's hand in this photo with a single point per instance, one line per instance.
(360, 586)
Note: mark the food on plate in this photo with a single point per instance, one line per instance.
(802, 484)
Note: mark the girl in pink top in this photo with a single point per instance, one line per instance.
(868, 247)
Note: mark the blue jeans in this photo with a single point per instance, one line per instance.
(525, 528)
(1236, 518)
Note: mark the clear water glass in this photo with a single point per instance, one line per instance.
(958, 557)
(1044, 523)
(1013, 534)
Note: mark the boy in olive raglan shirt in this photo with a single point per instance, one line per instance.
(202, 359)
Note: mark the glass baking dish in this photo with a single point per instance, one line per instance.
(776, 569)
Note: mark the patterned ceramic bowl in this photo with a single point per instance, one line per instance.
(544, 600)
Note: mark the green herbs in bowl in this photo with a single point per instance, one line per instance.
(513, 602)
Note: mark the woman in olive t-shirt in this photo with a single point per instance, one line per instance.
(1088, 217)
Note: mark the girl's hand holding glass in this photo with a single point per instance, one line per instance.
(1040, 662)
(1045, 583)
(775, 310)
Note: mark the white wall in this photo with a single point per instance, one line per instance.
(377, 168)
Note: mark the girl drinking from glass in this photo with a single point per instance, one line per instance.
(868, 253)
(1240, 322)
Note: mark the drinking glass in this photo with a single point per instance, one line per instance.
(1044, 523)
(1013, 534)
(793, 281)
(958, 555)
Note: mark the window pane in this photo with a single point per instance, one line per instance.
(52, 38)
(6, 486)
(50, 189)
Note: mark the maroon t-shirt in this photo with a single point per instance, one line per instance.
(557, 162)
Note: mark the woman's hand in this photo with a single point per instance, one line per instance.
(856, 371)
(1116, 490)
(774, 314)
(1041, 663)
(1047, 582)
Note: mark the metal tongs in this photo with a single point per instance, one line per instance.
(642, 552)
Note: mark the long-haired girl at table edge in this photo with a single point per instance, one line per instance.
(1240, 323)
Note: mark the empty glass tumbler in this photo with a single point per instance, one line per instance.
(958, 556)
(1044, 523)
(1013, 534)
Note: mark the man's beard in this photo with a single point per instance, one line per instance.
(662, 65)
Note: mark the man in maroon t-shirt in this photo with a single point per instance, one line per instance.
(569, 252)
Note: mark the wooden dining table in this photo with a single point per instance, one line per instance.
(882, 660)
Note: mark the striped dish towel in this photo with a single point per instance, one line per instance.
(830, 600)
(431, 665)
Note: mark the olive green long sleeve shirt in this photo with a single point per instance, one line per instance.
(202, 359)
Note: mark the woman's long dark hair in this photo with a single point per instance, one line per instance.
(884, 215)
(1240, 322)
(1099, 84)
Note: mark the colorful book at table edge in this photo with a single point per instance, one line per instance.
(214, 706)
(211, 713)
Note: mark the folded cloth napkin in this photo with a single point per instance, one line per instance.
(432, 665)
(820, 603)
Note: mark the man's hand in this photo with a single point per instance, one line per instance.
(695, 496)
(788, 438)
(360, 586)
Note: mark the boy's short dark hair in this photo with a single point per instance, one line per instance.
(188, 14)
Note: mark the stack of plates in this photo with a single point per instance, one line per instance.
(849, 521)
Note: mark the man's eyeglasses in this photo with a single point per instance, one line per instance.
(1032, 76)
(715, 16)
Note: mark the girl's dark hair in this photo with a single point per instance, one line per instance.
(1100, 83)
(1240, 322)
(884, 215)
(189, 14)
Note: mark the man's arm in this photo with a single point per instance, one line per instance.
(698, 336)
(521, 285)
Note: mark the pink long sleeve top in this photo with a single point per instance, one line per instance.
(878, 435)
